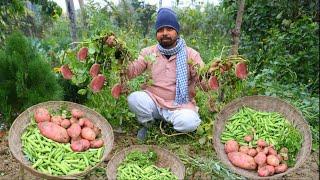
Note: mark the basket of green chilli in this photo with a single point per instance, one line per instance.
(145, 162)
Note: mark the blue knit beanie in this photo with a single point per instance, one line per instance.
(167, 18)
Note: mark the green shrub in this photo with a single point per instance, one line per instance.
(25, 78)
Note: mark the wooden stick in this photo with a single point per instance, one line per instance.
(174, 134)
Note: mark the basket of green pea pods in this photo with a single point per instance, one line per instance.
(50, 149)
(261, 137)
(145, 162)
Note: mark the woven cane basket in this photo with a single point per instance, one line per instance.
(23, 120)
(165, 159)
(267, 104)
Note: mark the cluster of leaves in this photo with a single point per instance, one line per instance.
(104, 51)
(22, 15)
(282, 41)
(25, 78)
(133, 14)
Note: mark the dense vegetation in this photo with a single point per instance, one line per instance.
(278, 38)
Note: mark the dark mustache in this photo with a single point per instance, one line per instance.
(166, 38)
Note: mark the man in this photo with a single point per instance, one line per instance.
(170, 95)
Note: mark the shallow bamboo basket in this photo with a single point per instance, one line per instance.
(23, 120)
(165, 159)
(267, 104)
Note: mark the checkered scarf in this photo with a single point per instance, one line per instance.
(182, 94)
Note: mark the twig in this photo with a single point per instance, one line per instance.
(174, 134)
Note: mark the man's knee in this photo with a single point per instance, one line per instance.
(142, 105)
(186, 120)
(137, 101)
(133, 98)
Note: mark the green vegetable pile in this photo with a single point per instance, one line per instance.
(139, 165)
(269, 126)
(56, 158)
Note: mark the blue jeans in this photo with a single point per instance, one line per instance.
(146, 110)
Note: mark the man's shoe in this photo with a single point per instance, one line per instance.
(142, 134)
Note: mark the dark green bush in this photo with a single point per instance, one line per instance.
(25, 78)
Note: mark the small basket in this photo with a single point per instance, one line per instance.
(23, 120)
(268, 104)
(165, 159)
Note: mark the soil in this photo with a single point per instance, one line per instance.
(10, 168)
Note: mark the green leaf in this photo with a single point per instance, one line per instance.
(82, 91)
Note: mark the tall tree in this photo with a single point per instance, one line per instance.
(83, 14)
(236, 31)
(72, 18)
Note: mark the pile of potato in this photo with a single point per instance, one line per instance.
(264, 158)
(78, 129)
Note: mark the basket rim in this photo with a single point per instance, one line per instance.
(49, 176)
(216, 137)
(138, 147)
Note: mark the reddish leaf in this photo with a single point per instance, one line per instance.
(94, 70)
(82, 54)
(97, 83)
(116, 90)
(213, 83)
(111, 41)
(66, 72)
(241, 70)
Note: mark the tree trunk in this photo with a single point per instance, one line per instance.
(83, 14)
(72, 18)
(235, 33)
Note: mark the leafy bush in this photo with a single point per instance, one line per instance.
(25, 78)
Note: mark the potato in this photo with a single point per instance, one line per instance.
(265, 150)
(259, 149)
(242, 160)
(65, 123)
(88, 123)
(81, 121)
(78, 138)
(273, 160)
(272, 151)
(262, 143)
(284, 150)
(56, 119)
(88, 133)
(97, 143)
(74, 130)
(252, 152)
(85, 143)
(263, 171)
(53, 131)
(244, 149)
(41, 115)
(281, 168)
(248, 138)
(270, 169)
(284, 156)
(73, 120)
(260, 158)
(77, 146)
(279, 157)
(77, 113)
(231, 146)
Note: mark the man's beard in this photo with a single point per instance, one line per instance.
(167, 42)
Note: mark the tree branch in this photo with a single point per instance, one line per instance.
(235, 33)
